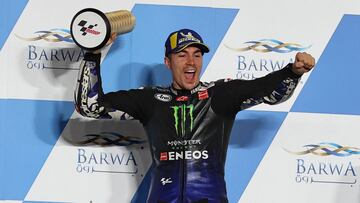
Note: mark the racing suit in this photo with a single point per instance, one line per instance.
(188, 130)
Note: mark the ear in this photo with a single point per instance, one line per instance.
(167, 62)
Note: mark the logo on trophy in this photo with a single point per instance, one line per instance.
(91, 28)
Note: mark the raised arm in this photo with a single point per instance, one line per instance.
(303, 63)
(274, 88)
(89, 89)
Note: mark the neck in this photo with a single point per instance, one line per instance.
(180, 88)
(176, 89)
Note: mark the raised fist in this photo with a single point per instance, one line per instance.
(304, 62)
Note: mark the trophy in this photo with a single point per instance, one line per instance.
(91, 29)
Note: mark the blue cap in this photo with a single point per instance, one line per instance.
(179, 40)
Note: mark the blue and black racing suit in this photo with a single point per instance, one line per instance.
(188, 131)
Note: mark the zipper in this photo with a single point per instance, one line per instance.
(183, 124)
(183, 131)
(182, 185)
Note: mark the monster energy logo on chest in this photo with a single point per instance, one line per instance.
(184, 119)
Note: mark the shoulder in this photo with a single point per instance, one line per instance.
(225, 82)
(160, 89)
(151, 89)
(221, 81)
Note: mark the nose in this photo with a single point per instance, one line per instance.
(190, 61)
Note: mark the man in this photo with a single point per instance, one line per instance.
(188, 123)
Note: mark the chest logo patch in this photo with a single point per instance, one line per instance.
(163, 97)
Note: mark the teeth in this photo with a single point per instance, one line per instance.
(190, 71)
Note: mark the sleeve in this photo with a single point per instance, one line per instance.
(90, 100)
(236, 95)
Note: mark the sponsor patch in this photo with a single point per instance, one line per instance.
(182, 98)
(203, 95)
(163, 97)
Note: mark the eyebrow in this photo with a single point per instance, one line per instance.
(195, 52)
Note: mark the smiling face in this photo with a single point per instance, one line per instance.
(185, 67)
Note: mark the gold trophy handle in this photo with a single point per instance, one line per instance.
(121, 21)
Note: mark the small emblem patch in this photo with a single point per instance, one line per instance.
(163, 97)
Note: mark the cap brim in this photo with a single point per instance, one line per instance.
(203, 47)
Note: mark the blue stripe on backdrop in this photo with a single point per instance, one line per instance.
(136, 58)
(333, 86)
(143, 190)
(29, 130)
(251, 136)
(9, 14)
(2, 150)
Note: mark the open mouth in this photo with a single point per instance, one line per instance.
(190, 74)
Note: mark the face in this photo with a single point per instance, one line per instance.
(185, 67)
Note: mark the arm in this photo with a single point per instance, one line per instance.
(236, 95)
(89, 91)
(283, 91)
(303, 63)
(233, 96)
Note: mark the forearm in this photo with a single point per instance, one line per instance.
(284, 90)
(89, 89)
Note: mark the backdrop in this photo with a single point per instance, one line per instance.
(306, 149)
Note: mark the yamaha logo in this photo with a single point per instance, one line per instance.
(163, 97)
